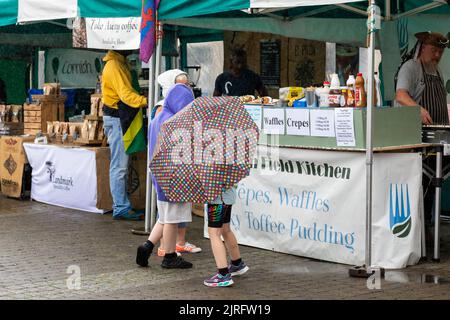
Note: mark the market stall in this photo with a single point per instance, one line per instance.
(60, 137)
(294, 19)
(305, 194)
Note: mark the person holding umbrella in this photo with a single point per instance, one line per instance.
(214, 141)
(167, 80)
(170, 213)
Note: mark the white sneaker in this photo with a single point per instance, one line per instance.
(188, 247)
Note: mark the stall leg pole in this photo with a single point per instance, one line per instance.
(422, 220)
(437, 205)
(369, 153)
(149, 186)
(158, 59)
(366, 270)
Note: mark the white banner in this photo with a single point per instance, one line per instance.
(113, 33)
(294, 3)
(312, 204)
(64, 177)
(39, 10)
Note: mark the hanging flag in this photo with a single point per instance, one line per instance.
(148, 30)
(132, 123)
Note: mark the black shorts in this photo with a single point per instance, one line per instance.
(218, 215)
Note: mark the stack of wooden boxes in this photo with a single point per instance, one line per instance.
(44, 108)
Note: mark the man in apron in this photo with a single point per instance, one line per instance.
(420, 83)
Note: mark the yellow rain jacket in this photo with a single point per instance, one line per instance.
(116, 83)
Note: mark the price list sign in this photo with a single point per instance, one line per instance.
(270, 62)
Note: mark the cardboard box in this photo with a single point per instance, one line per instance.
(102, 159)
(137, 180)
(12, 162)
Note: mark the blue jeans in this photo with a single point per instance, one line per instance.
(118, 167)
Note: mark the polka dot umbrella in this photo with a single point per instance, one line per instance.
(204, 149)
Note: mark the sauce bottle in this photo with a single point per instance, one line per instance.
(334, 98)
(360, 92)
(350, 98)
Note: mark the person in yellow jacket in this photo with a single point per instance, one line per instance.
(117, 95)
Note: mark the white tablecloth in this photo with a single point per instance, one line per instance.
(63, 176)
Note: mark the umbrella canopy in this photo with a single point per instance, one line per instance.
(205, 149)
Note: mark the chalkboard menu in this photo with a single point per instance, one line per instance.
(270, 62)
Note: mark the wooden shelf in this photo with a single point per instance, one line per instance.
(83, 142)
(93, 118)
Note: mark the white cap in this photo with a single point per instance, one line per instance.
(167, 79)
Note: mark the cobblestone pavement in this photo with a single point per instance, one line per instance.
(38, 244)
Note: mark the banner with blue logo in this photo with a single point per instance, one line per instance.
(312, 204)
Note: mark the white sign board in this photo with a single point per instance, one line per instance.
(322, 123)
(273, 120)
(113, 33)
(39, 10)
(255, 113)
(297, 122)
(312, 204)
(345, 129)
(63, 176)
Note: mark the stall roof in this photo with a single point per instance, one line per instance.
(170, 10)
(14, 11)
(292, 9)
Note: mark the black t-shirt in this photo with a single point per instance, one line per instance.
(246, 84)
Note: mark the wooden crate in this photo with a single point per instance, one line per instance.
(55, 103)
(45, 108)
